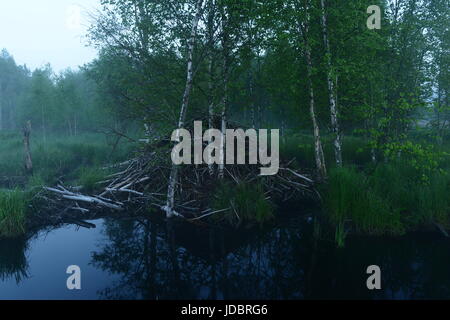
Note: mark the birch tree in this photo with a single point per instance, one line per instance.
(225, 75)
(304, 28)
(184, 106)
(331, 89)
(211, 31)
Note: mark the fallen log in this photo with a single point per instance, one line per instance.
(82, 198)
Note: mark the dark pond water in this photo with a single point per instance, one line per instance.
(131, 259)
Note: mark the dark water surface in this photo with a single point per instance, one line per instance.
(132, 259)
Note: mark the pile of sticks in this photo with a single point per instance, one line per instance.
(142, 183)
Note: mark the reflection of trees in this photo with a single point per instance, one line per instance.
(152, 265)
(413, 267)
(285, 263)
(13, 262)
(131, 253)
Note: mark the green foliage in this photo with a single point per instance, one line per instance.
(58, 156)
(350, 198)
(246, 202)
(90, 177)
(301, 148)
(67, 103)
(385, 81)
(420, 202)
(422, 158)
(12, 213)
(34, 185)
(356, 151)
(392, 199)
(340, 235)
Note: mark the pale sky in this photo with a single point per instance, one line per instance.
(37, 32)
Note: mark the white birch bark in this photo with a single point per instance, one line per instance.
(318, 150)
(225, 93)
(170, 212)
(331, 91)
(211, 77)
(210, 110)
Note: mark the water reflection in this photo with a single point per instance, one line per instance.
(13, 261)
(143, 259)
(158, 261)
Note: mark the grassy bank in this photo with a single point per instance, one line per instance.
(58, 156)
(387, 198)
(76, 160)
(13, 205)
(390, 199)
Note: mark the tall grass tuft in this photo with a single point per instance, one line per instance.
(90, 177)
(246, 203)
(12, 213)
(350, 198)
(340, 235)
(421, 202)
(395, 197)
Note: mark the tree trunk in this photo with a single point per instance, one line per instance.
(225, 92)
(26, 143)
(331, 90)
(187, 92)
(211, 76)
(318, 150)
(252, 98)
(211, 107)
